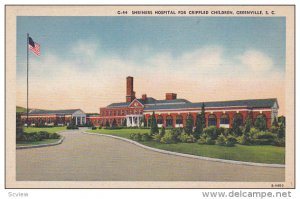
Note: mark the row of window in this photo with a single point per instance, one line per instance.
(120, 112)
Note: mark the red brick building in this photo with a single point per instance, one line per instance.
(172, 112)
(38, 117)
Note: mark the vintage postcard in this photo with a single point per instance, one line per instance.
(150, 97)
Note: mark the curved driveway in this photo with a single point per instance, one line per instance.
(83, 157)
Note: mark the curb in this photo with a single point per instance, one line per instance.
(191, 156)
(43, 145)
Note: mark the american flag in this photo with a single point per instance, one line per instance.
(33, 46)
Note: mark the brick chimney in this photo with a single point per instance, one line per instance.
(171, 96)
(130, 94)
(144, 97)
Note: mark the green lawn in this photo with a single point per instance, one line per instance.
(46, 141)
(50, 129)
(20, 109)
(259, 154)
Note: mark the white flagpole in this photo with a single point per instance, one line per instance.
(27, 77)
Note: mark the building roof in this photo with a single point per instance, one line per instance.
(149, 101)
(119, 104)
(254, 103)
(153, 104)
(53, 112)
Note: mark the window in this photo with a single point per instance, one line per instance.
(212, 120)
(224, 119)
(169, 121)
(178, 119)
(160, 119)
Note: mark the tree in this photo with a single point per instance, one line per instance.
(153, 125)
(189, 124)
(281, 127)
(275, 122)
(203, 116)
(107, 124)
(19, 126)
(124, 123)
(114, 123)
(260, 123)
(199, 126)
(142, 121)
(246, 134)
(236, 126)
(248, 125)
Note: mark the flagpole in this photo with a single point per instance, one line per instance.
(27, 76)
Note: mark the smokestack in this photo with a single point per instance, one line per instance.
(171, 96)
(130, 94)
(144, 97)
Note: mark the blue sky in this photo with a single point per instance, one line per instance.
(142, 45)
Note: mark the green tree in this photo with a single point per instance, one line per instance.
(124, 123)
(246, 134)
(189, 124)
(203, 116)
(142, 121)
(114, 123)
(275, 122)
(107, 124)
(153, 125)
(199, 126)
(248, 125)
(281, 129)
(19, 126)
(236, 123)
(260, 123)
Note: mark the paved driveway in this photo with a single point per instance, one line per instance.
(83, 157)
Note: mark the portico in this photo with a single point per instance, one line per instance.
(134, 120)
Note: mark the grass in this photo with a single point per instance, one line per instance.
(259, 154)
(37, 129)
(20, 109)
(48, 129)
(46, 141)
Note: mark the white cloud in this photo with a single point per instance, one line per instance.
(88, 79)
(256, 61)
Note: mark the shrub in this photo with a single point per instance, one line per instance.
(221, 140)
(145, 137)
(244, 140)
(279, 142)
(202, 139)
(281, 130)
(162, 131)
(211, 132)
(157, 137)
(131, 136)
(19, 126)
(54, 136)
(94, 128)
(72, 126)
(228, 132)
(253, 132)
(264, 138)
(135, 136)
(186, 138)
(210, 141)
(100, 127)
(168, 138)
(205, 139)
(260, 123)
(44, 134)
(230, 141)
